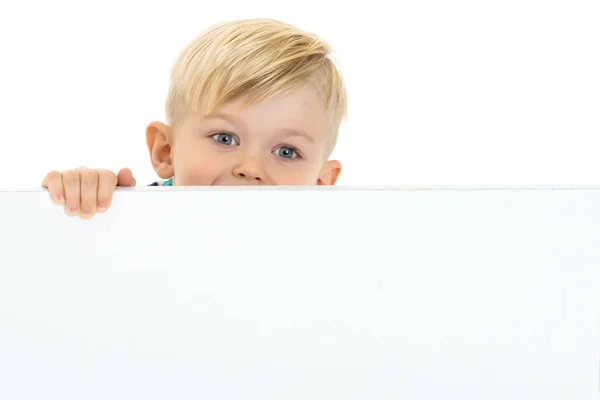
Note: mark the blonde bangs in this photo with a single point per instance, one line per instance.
(257, 58)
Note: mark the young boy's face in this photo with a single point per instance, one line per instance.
(280, 141)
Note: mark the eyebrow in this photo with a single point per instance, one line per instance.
(294, 132)
(237, 121)
(227, 117)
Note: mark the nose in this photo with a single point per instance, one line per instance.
(250, 170)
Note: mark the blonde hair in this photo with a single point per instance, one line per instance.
(258, 58)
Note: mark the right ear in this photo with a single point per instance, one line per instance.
(159, 140)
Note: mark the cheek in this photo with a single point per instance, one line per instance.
(194, 167)
(297, 176)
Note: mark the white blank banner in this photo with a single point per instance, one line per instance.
(302, 294)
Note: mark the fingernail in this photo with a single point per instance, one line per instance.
(60, 197)
(87, 212)
(101, 206)
(73, 209)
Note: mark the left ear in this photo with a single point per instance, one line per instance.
(329, 173)
(159, 140)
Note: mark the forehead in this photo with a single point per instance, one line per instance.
(301, 108)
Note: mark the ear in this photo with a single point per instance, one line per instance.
(329, 173)
(159, 140)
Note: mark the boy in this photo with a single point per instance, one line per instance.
(251, 102)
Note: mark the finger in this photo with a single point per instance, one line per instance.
(125, 178)
(70, 182)
(89, 191)
(53, 182)
(107, 181)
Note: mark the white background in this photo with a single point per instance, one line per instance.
(425, 294)
(441, 92)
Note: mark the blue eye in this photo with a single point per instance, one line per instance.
(225, 138)
(286, 152)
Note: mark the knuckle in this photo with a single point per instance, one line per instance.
(89, 178)
(53, 182)
(71, 176)
(108, 176)
(53, 175)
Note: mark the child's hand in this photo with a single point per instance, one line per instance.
(86, 191)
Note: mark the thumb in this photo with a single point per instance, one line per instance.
(125, 178)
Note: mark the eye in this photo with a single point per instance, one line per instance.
(286, 152)
(225, 138)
